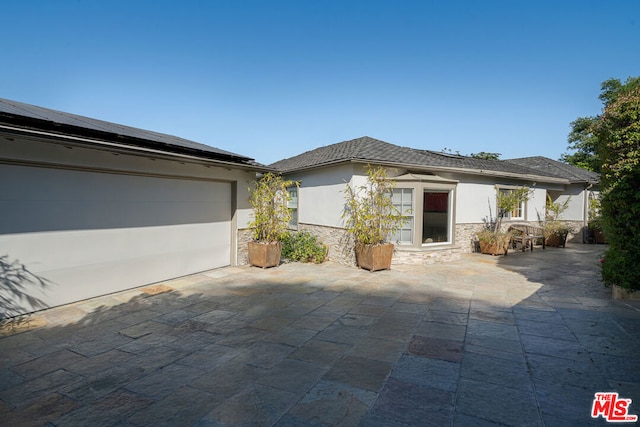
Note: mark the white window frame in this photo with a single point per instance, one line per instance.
(450, 218)
(406, 210)
(293, 204)
(522, 208)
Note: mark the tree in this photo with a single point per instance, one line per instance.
(486, 155)
(616, 133)
(583, 139)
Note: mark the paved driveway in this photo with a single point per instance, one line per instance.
(522, 340)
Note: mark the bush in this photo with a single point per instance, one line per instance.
(304, 247)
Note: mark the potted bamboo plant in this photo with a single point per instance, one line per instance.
(371, 218)
(268, 198)
(492, 240)
(555, 232)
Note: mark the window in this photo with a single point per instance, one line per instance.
(518, 212)
(435, 217)
(292, 204)
(403, 201)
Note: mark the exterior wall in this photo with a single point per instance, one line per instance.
(90, 222)
(320, 196)
(341, 247)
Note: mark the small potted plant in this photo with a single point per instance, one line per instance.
(268, 198)
(492, 240)
(555, 232)
(371, 218)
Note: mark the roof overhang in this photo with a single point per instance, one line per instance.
(121, 148)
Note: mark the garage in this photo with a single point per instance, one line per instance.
(91, 208)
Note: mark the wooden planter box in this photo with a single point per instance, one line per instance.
(555, 240)
(264, 254)
(494, 248)
(374, 257)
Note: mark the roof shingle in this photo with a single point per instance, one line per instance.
(366, 149)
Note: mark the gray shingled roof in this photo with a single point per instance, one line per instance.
(371, 150)
(38, 118)
(556, 168)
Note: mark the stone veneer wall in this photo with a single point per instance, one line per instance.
(466, 236)
(341, 246)
(244, 237)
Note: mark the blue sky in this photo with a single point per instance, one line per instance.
(272, 79)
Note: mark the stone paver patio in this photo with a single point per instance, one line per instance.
(524, 340)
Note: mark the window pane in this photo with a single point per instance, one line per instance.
(435, 219)
(403, 201)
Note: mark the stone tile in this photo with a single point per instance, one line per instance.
(295, 337)
(153, 359)
(333, 403)
(244, 337)
(442, 330)
(464, 420)
(145, 328)
(544, 329)
(41, 412)
(497, 403)
(184, 407)
(495, 347)
(482, 328)
(112, 409)
(552, 347)
(175, 317)
(9, 379)
(92, 346)
(214, 316)
(414, 404)
(563, 404)
(342, 334)
(451, 305)
(617, 368)
(322, 352)
(14, 356)
(359, 372)
(369, 310)
(210, 357)
(264, 354)
(147, 342)
(446, 317)
(384, 350)
(228, 379)
(436, 348)
(257, 405)
(581, 372)
(98, 363)
(102, 383)
(316, 323)
(390, 332)
(194, 340)
(270, 323)
(512, 373)
(164, 381)
(32, 390)
(49, 363)
(293, 375)
(356, 320)
(540, 315)
(423, 371)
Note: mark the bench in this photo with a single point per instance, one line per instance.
(526, 235)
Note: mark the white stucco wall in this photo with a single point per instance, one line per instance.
(321, 197)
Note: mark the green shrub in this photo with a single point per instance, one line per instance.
(303, 246)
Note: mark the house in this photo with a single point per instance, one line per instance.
(91, 207)
(447, 198)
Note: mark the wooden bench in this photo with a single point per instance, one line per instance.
(526, 235)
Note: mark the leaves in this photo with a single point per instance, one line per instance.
(370, 214)
(271, 215)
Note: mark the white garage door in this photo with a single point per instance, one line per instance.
(92, 233)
